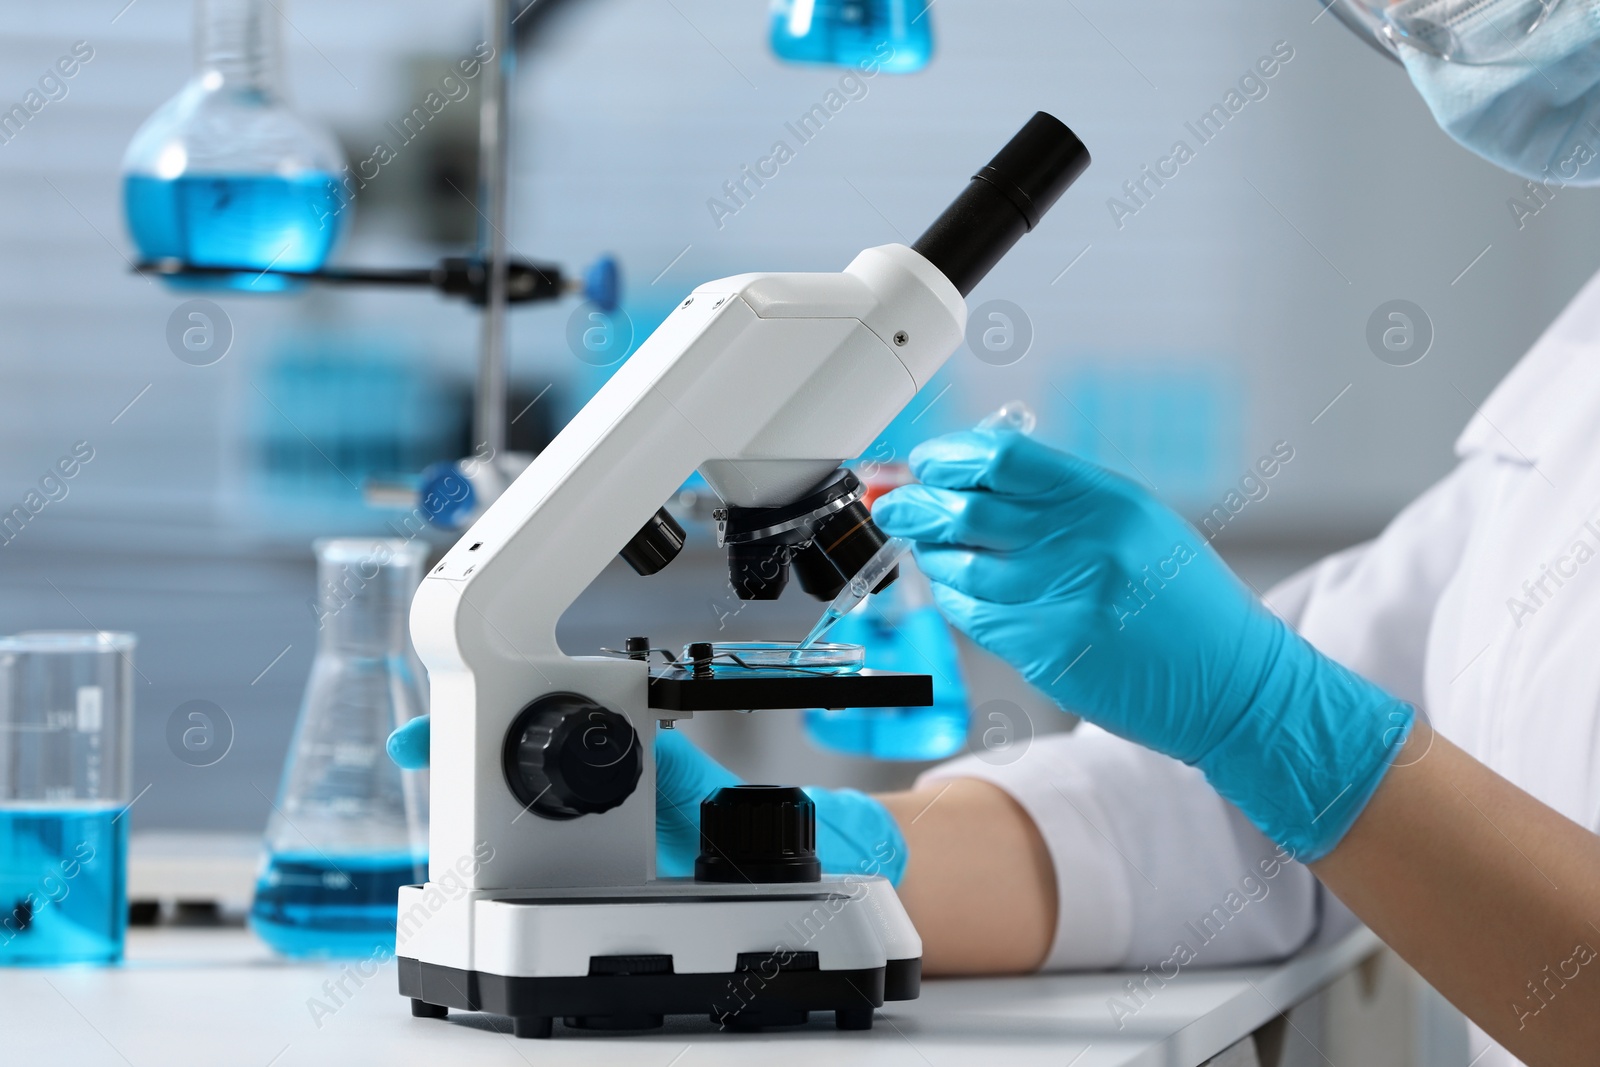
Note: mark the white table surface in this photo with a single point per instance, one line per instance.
(218, 997)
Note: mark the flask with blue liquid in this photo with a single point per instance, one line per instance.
(871, 35)
(349, 827)
(900, 630)
(225, 174)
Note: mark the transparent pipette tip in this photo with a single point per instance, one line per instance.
(856, 589)
(1015, 415)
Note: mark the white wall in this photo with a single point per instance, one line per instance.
(635, 112)
(1221, 318)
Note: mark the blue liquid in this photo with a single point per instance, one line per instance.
(890, 733)
(830, 616)
(893, 35)
(917, 642)
(343, 905)
(63, 885)
(236, 220)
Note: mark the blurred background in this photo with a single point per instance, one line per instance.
(1204, 324)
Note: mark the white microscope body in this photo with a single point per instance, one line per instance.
(765, 383)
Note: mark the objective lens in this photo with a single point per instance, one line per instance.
(849, 538)
(818, 576)
(758, 572)
(657, 543)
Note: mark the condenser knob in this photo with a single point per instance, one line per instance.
(758, 833)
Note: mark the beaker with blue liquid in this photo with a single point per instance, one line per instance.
(66, 714)
(349, 828)
(225, 173)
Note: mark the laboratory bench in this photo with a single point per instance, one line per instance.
(217, 996)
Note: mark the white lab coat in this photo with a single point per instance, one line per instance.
(1480, 603)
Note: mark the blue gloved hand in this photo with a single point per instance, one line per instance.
(408, 746)
(1117, 609)
(855, 834)
(684, 777)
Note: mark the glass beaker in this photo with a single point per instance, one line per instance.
(66, 712)
(349, 827)
(225, 174)
(890, 35)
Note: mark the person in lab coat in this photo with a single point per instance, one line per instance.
(1475, 857)
(1244, 775)
(1221, 745)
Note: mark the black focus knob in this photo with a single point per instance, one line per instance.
(567, 756)
(758, 833)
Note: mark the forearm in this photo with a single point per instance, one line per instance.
(1492, 896)
(979, 883)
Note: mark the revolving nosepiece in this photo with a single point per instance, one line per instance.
(824, 538)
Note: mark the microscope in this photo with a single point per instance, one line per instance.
(542, 901)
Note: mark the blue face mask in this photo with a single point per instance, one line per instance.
(1515, 81)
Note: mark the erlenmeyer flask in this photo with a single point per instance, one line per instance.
(891, 35)
(224, 173)
(349, 828)
(901, 630)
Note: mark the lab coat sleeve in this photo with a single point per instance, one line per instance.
(1151, 864)
(1148, 857)
(1370, 606)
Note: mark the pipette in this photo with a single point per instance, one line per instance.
(1015, 416)
(857, 588)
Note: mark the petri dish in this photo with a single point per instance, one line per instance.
(783, 657)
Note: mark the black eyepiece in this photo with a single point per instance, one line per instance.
(1003, 201)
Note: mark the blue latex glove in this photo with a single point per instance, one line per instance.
(684, 777)
(1118, 610)
(855, 834)
(408, 746)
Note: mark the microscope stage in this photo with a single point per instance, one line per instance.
(680, 690)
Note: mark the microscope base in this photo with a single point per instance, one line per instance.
(747, 956)
(640, 1001)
